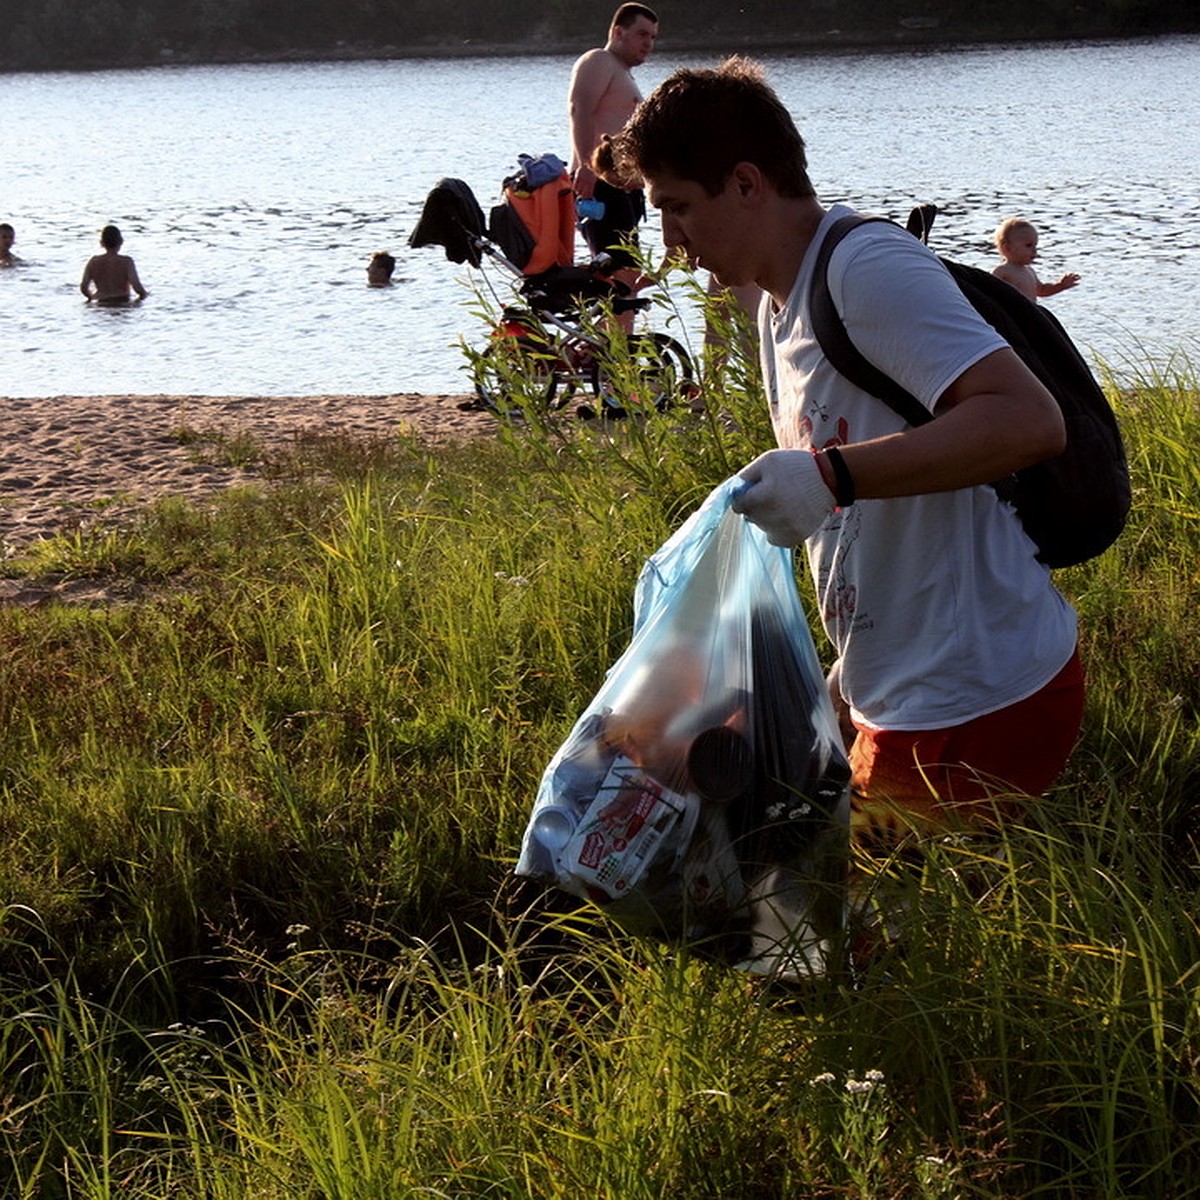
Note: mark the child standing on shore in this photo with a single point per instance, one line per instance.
(1017, 240)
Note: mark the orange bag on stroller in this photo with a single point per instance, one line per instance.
(540, 194)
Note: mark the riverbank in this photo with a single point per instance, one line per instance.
(903, 36)
(833, 41)
(70, 462)
(36, 51)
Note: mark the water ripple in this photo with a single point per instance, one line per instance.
(252, 197)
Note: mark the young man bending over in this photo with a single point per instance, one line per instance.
(957, 659)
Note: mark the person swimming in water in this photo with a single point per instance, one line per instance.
(380, 268)
(7, 237)
(111, 277)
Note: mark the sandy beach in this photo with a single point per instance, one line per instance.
(68, 461)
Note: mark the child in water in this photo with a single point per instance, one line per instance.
(7, 237)
(1017, 241)
(109, 278)
(380, 268)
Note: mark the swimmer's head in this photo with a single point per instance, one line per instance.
(110, 238)
(380, 268)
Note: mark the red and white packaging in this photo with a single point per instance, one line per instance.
(632, 820)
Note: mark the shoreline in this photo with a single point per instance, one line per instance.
(68, 463)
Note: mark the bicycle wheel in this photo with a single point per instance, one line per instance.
(658, 375)
(516, 370)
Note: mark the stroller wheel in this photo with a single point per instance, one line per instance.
(656, 375)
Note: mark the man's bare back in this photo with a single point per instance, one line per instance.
(111, 277)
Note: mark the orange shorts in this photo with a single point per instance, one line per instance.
(966, 776)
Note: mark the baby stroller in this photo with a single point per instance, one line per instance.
(554, 339)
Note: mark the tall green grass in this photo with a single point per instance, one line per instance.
(260, 938)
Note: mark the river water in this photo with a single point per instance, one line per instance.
(252, 196)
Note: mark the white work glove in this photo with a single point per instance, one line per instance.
(787, 497)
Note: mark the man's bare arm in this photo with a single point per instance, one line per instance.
(590, 81)
(135, 282)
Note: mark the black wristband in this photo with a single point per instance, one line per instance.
(844, 490)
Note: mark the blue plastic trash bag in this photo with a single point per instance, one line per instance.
(703, 795)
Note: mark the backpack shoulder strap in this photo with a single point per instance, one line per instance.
(835, 342)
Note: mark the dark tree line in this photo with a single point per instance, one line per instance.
(64, 34)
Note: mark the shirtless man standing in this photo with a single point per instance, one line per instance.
(109, 278)
(602, 98)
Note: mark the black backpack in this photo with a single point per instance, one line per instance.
(1073, 506)
(511, 234)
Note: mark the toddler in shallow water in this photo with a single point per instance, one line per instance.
(1017, 240)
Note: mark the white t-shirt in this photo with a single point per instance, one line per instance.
(936, 604)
